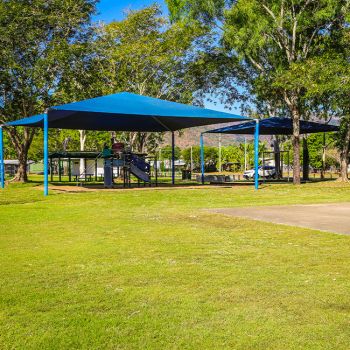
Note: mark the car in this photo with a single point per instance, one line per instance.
(268, 172)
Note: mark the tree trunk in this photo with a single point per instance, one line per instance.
(113, 137)
(133, 141)
(306, 159)
(344, 169)
(142, 142)
(291, 100)
(277, 154)
(323, 170)
(82, 134)
(21, 143)
(296, 145)
(21, 175)
(344, 157)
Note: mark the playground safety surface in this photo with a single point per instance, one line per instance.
(330, 217)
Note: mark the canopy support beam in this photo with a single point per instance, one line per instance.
(172, 149)
(173, 157)
(2, 166)
(46, 155)
(202, 157)
(256, 154)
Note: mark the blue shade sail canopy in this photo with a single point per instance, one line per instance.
(128, 112)
(30, 121)
(275, 126)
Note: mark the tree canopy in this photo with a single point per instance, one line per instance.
(276, 57)
(265, 45)
(36, 41)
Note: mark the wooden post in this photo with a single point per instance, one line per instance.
(51, 169)
(156, 170)
(59, 170)
(69, 170)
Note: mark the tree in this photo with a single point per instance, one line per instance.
(35, 39)
(316, 144)
(265, 38)
(236, 154)
(148, 56)
(86, 74)
(211, 157)
(326, 80)
(344, 145)
(166, 153)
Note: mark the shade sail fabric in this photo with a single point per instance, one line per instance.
(30, 121)
(275, 126)
(128, 112)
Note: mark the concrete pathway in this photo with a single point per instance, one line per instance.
(331, 217)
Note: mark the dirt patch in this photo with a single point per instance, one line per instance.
(95, 188)
(330, 217)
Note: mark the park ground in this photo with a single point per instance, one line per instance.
(154, 269)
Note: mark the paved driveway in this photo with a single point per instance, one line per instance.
(332, 217)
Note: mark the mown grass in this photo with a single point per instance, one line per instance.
(151, 269)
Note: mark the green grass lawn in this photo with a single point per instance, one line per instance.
(152, 269)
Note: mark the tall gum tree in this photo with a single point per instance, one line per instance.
(35, 37)
(266, 37)
(326, 80)
(149, 56)
(143, 54)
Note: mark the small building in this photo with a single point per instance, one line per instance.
(11, 166)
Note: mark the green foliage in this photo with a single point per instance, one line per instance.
(205, 11)
(9, 152)
(69, 60)
(165, 153)
(68, 140)
(267, 36)
(147, 55)
(211, 157)
(229, 154)
(38, 41)
(267, 46)
(326, 80)
(235, 154)
(315, 147)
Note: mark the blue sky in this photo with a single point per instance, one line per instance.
(109, 10)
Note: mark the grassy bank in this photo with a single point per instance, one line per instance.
(152, 269)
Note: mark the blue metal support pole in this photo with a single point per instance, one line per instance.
(173, 157)
(2, 167)
(46, 155)
(256, 154)
(202, 157)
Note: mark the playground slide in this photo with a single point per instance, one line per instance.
(139, 173)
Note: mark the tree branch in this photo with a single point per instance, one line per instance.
(256, 64)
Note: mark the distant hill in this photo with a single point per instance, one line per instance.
(190, 137)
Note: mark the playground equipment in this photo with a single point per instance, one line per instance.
(127, 163)
(119, 112)
(107, 166)
(68, 163)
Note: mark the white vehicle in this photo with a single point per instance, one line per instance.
(268, 172)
